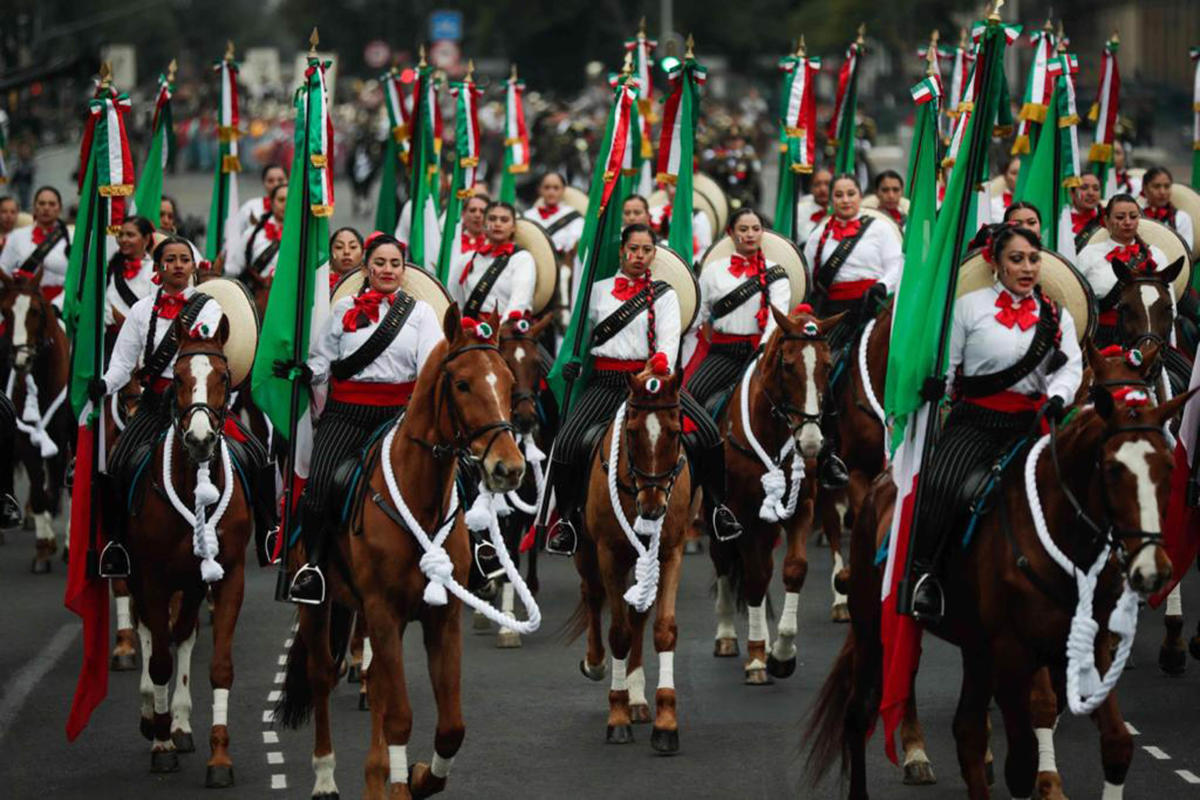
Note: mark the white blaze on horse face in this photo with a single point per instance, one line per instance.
(200, 426)
(20, 336)
(653, 432)
(810, 440)
(519, 354)
(1135, 456)
(1149, 294)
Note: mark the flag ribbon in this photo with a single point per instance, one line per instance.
(516, 137)
(466, 164)
(843, 123)
(223, 210)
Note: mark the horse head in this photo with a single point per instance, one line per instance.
(1131, 478)
(796, 365)
(653, 432)
(1120, 367)
(519, 347)
(475, 399)
(201, 389)
(28, 317)
(1145, 307)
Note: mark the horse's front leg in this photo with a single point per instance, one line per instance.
(1116, 743)
(1013, 678)
(665, 738)
(723, 554)
(314, 631)
(184, 633)
(1172, 655)
(443, 648)
(781, 663)
(153, 603)
(1043, 709)
(639, 708)
(124, 654)
(970, 721)
(620, 640)
(758, 562)
(917, 769)
(228, 593)
(41, 509)
(391, 714)
(591, 587)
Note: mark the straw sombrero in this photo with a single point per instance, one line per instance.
(417, 282)
(700, 204)
(872, 201)
(238, 307)
(715, 196)
(777, 249)
(1165, 239)
(1061, 282)
(1185, 198)
(532, 237)
(669, 266)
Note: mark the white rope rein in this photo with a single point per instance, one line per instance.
(865, 372)
(32, 422)
(204, 529)
(534, 457)
(115, 409)
(774, 480)
(436, 563)
(1086, 688)
(644, 591)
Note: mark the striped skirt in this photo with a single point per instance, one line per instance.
(719, 372)
(342, 431)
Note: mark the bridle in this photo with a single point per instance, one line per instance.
(1123, 310)
(34, 347)
(181, 418)
(463, 437)
(520, 396)
(787, 411)
(639, 479)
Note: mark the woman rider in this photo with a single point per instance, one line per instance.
(1085, 209)
(371, 379)
(563, 223)
(1156, 187)
(498, 276)
(345, 253)
(1011, 352)
(148, 338)
(130, 272)
(636, 321)
(1096, 261)
(45, 244)
(254, 261)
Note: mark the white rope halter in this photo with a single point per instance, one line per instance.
(436, 563)
(868, 388)
(644, 591)
(774, 480)
(534, 458)
(204, 530)
(1086, 688)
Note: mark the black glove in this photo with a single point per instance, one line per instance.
(1055, 409)
(97, 390)
(284, 369)
(874, 297)
(572, 370)
(933, 389)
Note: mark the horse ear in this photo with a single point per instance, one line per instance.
(829, 323)
(1122, 271)
(1094, 359)
(493, 319)
(1173, 406)
(1172, 272)
(222, 334)
(539, 325)
(1150, 353)
(1103, 400)
(452, 323)
(781, 319)
(676, 381)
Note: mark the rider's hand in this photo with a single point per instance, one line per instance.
(572, 370)
(933, 389)
(1055, 409)
(97, 390)
(285, 369)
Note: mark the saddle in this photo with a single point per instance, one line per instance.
(349, 482)
(140, 464)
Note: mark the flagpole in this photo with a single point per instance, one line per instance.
(414, 161)
(97, 258)
(975, 150)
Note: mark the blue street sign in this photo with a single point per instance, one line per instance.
(445, 24)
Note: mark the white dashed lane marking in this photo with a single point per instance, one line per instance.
(270, 737)
(1155, 752)
(1188, 776)
(279, 781)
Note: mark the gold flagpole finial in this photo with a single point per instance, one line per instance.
(627, 67)
(421, 62)
(642, 27)
(105, 75)
(931, 55)
(691, 48)
(512, 74)
(964, 38)
(229, 49)
(1062, 39)
(470, 69)
(1048, 27)
(801, 49)
(994, 16)
(934, 38)
(1114, 39)
(862, 33)
(313, 41)
(171, 69)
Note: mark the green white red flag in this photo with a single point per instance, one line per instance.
(424, 238)
(676, 146)
(148, 197)
(843, 126)
(222, 214)
(516, 137)
(395, 151)
(466, 166)
(1104, 114)
(797, 133)
(1040, 84)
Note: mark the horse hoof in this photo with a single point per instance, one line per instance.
(840, 613)
(1048, 786)
(480, 623)
(619, 734)
(40, 566)
(780, 669)
(219, 776)
(354, 674)
(639, 713)
(664, 742)
(758, 677)
(726, 648)
(1194, 647)
(508, 640)
(146, 726)
(1172, 660)
(164, 761)
(841, 581)
(123, 662)
(920, 773)
(183, 742)
(593, 673)
(363, 703)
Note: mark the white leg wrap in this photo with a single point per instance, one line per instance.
(124, 617)
(323, 768)
(785, 644)
(181, 703)
(1045, 742)
(441, 766)
(637, 687)
(506, 598)
(1175, 603)
(160, 699)
(1112, 791)
(758, 622)
(619, 683)
(43, 524)
(666, 669)
(366, 662)
(724, 610)
(147, 686)
(398, 763)
(916, 756)
(221, 708)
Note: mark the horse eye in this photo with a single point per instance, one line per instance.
(462, 386)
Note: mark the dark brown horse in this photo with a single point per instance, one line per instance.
(648, 484)
(40, 360)
(1004, 612)
(118, 410)
(772, 430)
(460, 407)
(163, 544)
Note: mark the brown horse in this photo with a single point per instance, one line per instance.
(772, 429)
(1005, 612)
(162, 544)
(460, 407)
(40, 360)
(640, 466)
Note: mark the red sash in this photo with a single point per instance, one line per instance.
(850, 290)
(366, 393)
(619, 364)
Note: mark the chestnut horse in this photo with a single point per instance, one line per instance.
(163, 545)
(460, 408)
(772, 430)
(40, 360)
(640, 466)
(1004, 611)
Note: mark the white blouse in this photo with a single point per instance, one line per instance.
(716, 281)
(512, 291)
(805, 225)
(631, 343)
(1098, 269)
(141, 284)
(877, 256)
(566, 237)
(20, 246)
(249, 215)
(702, 233)
(130, 346)
(401, 362)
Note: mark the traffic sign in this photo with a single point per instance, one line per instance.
(445, 24)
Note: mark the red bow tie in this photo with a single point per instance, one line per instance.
(817, 215)
(131, 269)
(749, 267)
(1007, 198)
(895, 214)
(840, 228)
(272, 230)
(1164, 214)
(1128, 255)
(41, 234)
(546, 212)
(496, 250)
(334, 277)
(471, 243)
(625, 288)
(364, 311)
(1011, 312)
(1080, 219)
(169, 304)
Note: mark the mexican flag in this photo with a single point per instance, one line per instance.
(797, 133)
(148, 197)
(424, 240)
(843, 126)
(933, 250)
(466, 165)
(1036, 102)
(1104, 114)
(222, 214)
(1054, 168)
(107, 181)
(395, 150)
(516, 138)
(1195, 53)
(676, 145)
(1181, 527)
(923, 157)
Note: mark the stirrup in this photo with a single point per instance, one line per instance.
(269, 542)
(315, 577)
(924, 616)
(487, 561)
(114, 561)
(564, 529)
(10, 511)
(716, 528)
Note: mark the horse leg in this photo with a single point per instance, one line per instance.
(322, 676)
(163, 757)
(43, 520)
(758, 564)
(1014, 682)
(639, 709)
(227, 595)
(184, 633)
(970, 722)
(593, 666)
(1043, 707)
(124, 654)
(726, 644)
(1172, 656)
(917, 769)
(443, 647)
(507, 638)
(781, 663)
(665, 737)
(368, 655)
(354, 662)
(1116, 743)
(389, 703)
(620, 638)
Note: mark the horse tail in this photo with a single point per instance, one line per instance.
(825, 734)
(295, 704)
